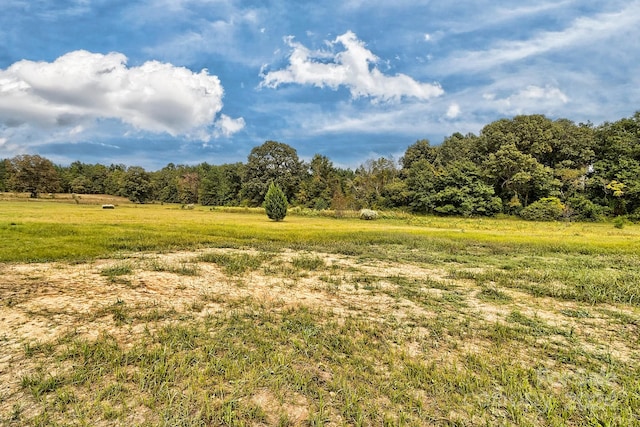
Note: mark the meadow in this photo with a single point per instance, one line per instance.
(149, 315)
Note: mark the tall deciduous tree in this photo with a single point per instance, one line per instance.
(272, 162)
(33, 174)
(4, 174)
(519, 177)
(188, 186)
(370, 181)
(221, 185)
(165, 184)
(318, 188)
(137, 185)
(420, 150)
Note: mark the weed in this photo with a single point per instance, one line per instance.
(493, 295)
(182, 268)
(234, 264)
(113, 272)
(39, 383)
(305, 262)
(119, 312)
(578, 314)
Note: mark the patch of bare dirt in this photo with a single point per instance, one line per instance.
(40, 303)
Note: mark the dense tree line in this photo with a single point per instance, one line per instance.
(528, 165)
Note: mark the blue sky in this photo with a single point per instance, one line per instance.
(148, 82)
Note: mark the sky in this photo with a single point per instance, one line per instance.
(152, 82)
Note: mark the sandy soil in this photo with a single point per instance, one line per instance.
(42, 302)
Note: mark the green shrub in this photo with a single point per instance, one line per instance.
(619, 222)
(275, 203)
(583, 209)
(545, 209)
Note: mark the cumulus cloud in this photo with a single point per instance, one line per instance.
(227, 126)
(354, 68)
(81, 87)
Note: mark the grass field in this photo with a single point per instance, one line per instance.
(152, 315)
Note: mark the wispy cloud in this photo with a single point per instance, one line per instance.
(205, 27)
(354, 68)
(582, 31)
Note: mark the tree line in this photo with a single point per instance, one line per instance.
(528, 165)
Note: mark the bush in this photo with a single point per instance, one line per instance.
(368, 214)
(583, 209)
(635, 216)
(275, 203)
(619, 222)
(545, 209)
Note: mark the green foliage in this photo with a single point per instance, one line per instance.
(221, 185)
(317, 189)
(272, 162)
(455, 190)
(4, 175)
(33, 174)
(136, 185)
(511, 164)
(546, 209)
(82, 178)
(619, 222)
(420, 150)
(514, 173)
(583, 209)
(370, 181)
(275, 203)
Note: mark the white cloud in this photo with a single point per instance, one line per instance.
(354, 68)
(228, 126)
(81, 87)
(453, 111)
(532, 98)
(547, 93)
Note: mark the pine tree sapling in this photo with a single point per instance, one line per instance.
(275, 203)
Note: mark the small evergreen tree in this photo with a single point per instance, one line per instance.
(275, 203)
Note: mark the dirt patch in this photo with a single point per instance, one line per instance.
(40, 303)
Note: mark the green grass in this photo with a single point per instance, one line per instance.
(209, 372)
(234, 264)
(481, 322)
(53, 231)
(307, 262)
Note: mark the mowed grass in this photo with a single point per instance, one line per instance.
(35, 232)
(405, 321)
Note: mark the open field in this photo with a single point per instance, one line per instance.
(153, 315)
